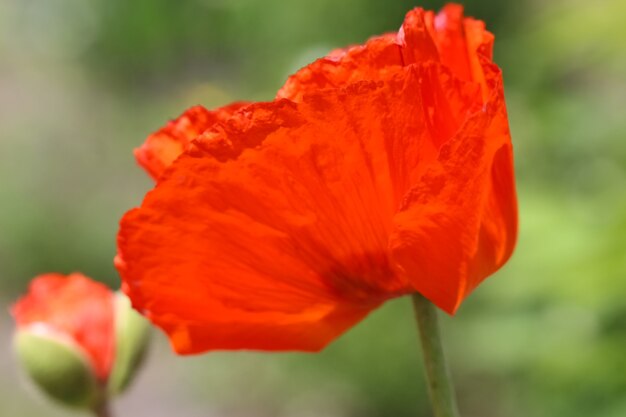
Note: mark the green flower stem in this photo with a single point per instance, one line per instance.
(439, 384)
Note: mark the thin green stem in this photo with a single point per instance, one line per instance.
(440, 386)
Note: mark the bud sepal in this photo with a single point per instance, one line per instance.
(58, 366)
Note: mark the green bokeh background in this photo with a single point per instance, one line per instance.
(82, 82)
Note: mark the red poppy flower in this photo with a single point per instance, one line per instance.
(380, 170)
(74, 309)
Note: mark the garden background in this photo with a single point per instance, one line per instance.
(82, 82)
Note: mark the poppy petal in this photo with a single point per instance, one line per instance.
(165, 145)
(340, 67)
(461, 44)
(451, 235)
(271, 226)
(458, 222)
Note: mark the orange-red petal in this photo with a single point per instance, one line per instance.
(165, 145)
(461, 44)
(76, 307)
(458, 222)
(256, 240)
(340, 67)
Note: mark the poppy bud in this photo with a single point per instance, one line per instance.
(58, 366)
(79, 342)
(132, 339)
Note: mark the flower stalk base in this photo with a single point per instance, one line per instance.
(438, 379)
(103, 410)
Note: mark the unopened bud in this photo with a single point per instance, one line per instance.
(58, 366)
(132, 339)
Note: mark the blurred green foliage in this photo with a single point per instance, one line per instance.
(82, 82)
